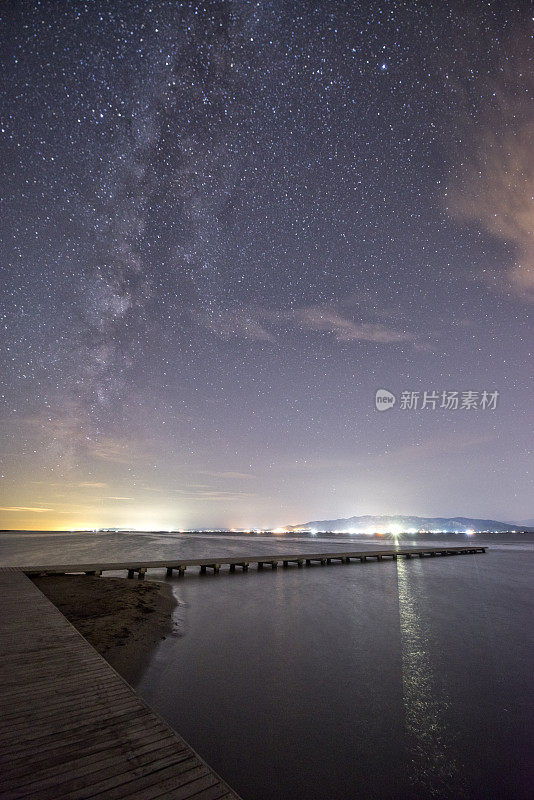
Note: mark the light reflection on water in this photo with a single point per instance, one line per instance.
(434, 769)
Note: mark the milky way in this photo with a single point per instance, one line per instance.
(227, 224)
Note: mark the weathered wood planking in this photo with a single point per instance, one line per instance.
(244, 560)
(71, 727)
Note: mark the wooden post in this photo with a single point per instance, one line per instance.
(260, 564)
(244, 566)
(300, 562)
(203, 569)
(131, 573)
(141, 575)
(286, 563)
(169, 571)
(232, 567)
(181, 570)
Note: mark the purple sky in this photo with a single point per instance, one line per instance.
(226, 225)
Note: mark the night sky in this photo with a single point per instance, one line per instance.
(225, 225)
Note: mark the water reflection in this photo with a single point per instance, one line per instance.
(433, 769)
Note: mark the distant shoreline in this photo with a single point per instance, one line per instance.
(281, 534)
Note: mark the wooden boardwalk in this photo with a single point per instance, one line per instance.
(71, 727)
(273, 560)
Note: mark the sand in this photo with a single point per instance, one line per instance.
(123, 619)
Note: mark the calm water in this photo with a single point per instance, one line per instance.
(393, 680)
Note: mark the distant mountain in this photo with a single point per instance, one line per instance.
(369, 524)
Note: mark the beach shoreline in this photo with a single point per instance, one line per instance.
(122, 619)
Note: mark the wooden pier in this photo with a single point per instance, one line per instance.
(71, 727)
(261, 560)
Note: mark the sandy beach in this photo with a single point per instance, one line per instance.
(123, 619)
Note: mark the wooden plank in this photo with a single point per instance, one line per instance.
(72, 728)
(94, 763)
(62, 726)
(47, 680)
(26, 707)
(188, 783)
(47, 696)
(61, 759)
(54, 701)
(50, 720)
(124, 783)
(52, 750)
(79, 773)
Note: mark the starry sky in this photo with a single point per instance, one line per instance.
(226, 225)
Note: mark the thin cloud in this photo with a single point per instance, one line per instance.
(347, 330)
(226, 474)
(108, 448)
(210, 494)
(25, 508)
(496, 188)
(251, 324)
(230, 324)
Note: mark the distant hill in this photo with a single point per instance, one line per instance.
(369, 524)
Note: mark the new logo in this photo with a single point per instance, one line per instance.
(384, 399)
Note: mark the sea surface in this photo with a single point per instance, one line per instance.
(406, 679)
